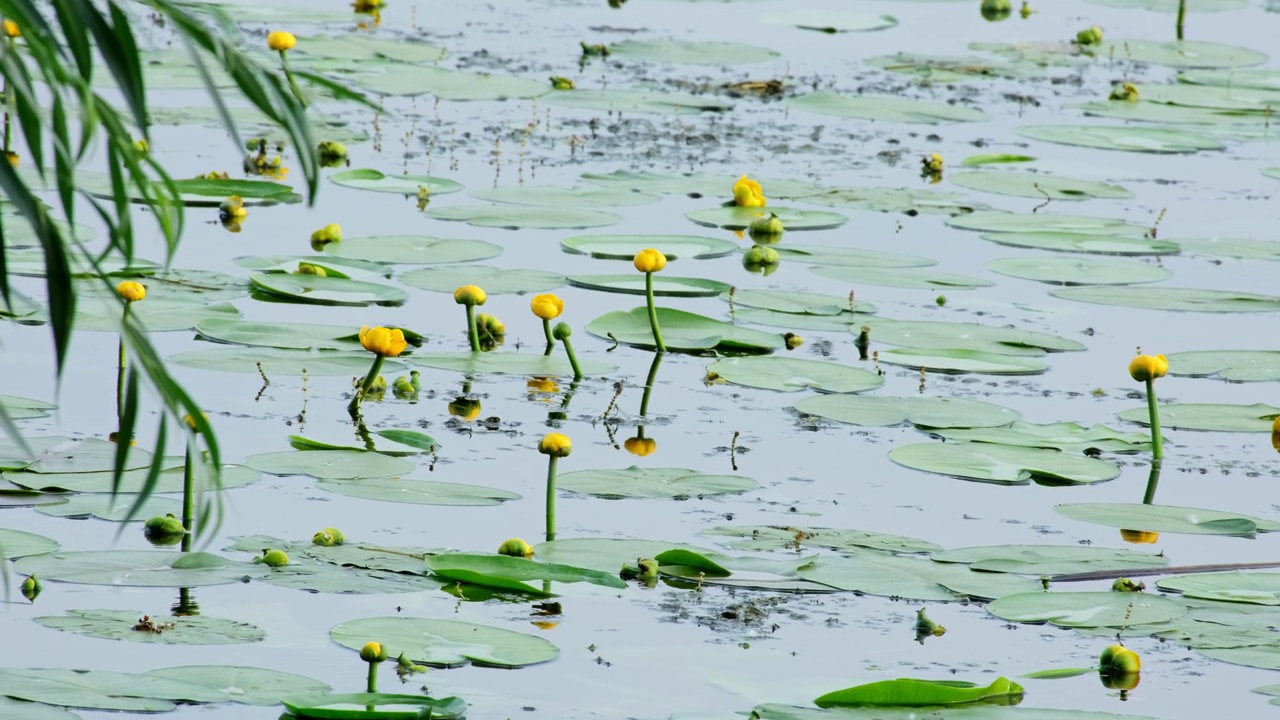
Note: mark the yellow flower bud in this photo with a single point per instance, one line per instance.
(640, 446)
(648, 568)
(1145, 367)
(328, 234)
(373, 653)
(932, 165)
(309, 269)
(141, 146)
(1118, 659)
(760, 255)
(163, 525)
(748, 193)
(515, 547)
(281, 40)
(556, 445)
(995, 10)
(387, 342)
(131, 291)
(11, 29)
(465, 409)
(366, 6)
(328, 537)
(272, 558)
(1127, 585)
(792, 340)
(191, 421)
(547, 306)
(31, 587)
(561, 83)
(1125, 91)
(469, 295)
(13, 158)
(650, 260)
(1139, 537)
(1090, 36)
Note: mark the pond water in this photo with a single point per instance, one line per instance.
(711, 652)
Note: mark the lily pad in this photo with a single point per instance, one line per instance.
(1233, 248)
(1041, 560)
(830, 21)
(495, 281)
(412, 249)
(909, 692)
(915, 278)
(588, 197)
(1208, 416)
(1229, 365)
(483, 568)
(331, 464)
(378, 181)
(362, 46)
(911, 578)
(113, 508)
(382, 706)
(1167, 518)
(18, 543)
(1085, 243)
(1079, 271)
(681, 331)
(842, 322)
(517, 217)
(641, 101)
(319, 290)
(733, 217)
(407, 80)
(102, 690)
(182, 630)
(932, 334)
(1182, 53)
(637, 482)
(58, 454)
(132, 481)
(1037, 185)
(163, 315)
(1124, 137)
(137, 568)
(605, 554)
(509, 363)
(1004, 464)
(27, 710)
(625, 247)
(800, 303)
(963, 361)
(1065, 436)
(1171, 6)
(888, 109)
(1087, 609)
(284, 335)
(857, 257)
(1003, 222)
(18, 408)
(417, 492)
(928, 412)
(995, 159)
(696, 184)
(794, 374)
(795, 539)
(280, 362)
(1253, 588)
(1170, 298)
(694, 53)
(244, 685)
(663, 285)
(446, 643)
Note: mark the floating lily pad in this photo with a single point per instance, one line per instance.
(499, 571)
(1124, 137)
(637, 482)
(510, 363)
(18, 408)
(963, 361)
(1215, 97)
(625, 247)
(697, 184)
(1234, 248)
(383, 706)
(1229, 365)
(331, 464)
(102, 690)
(916, 278)
(794, 374)
(132, 481)
(1253, 588)
(605, 554)
(1167, 518)
(495, 281)
(331, 264)
(1004, 464)
(1003, 222)
(1085, 243)
(842, 322)
(319, 290)
(830, 21)
(1037, 185)
(1169, 298)
(910, 578)
(910, 692)
(137, 568)
(695, 53)
(446, 643)
(284, 335)
(183, 630)
(932, 334)
(378, 181)
(279, 362)
(778, 537)
(362, 46)
(162, 315)
(1260, 79)
(17, 543)
(68, 455)
(412, 249)
(1041, 560)
(516, 217)
(747, 572)
(799, 303)
(1087, 609)
(27, 710)
(910, 201)
(888, 109)
(195, 192)
(642, 101)
(589, 197)
(939, 70)
(1208, 416)
(406, 80)
(328, 578)
(926, 412)
(245, 685)
(733, 217)
(681, 331)
(995, 159)
(1182, 53)
(1079, 271)
(117, 508)
(663, 285)
(1065, 436)
(417, 492)
(856, 257)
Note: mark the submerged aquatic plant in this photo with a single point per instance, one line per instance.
(650, 261)
(1146, 368)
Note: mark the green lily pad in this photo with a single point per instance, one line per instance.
(940, 70)
(800, 303)
(244, 685)
(916, 278)
(1065, 436)
(1167, 518)
(154, 314)
(995, 159)
(681, 331)
(517, 217)
(589, 197)
(360, 46)
(1037, 185)
(1259, 656)
(1038, 560)
(510, 363)
(625, 247)
(1124, 137)
(1087, 609)
(842, 322)
(733, 217)
(289, 263)
(18, 408)
(478, 569)
(371, 706)
(412, 249)
(696, 184)
(637, 482)
(27, 710)
(283, 335)
(378, 181)
(1233, 248)
(1208, 416)
(1229, 365)
(18, 543)
(910, 201)
(694, 53)
(1254, 588)
(1169, 298)
(909, 692)
(912, 578)
(181, 630)
(331, 464)
(495, 281)
(446, 643)
(746, 572)
(641, 101)
(928, 412)
(963, 361)
(1182, 53)
(663, 285)
(137, 568)
(132, 481)
(1085, 243)
(936, 335)
(416, 492)
(68, 455)
(1214, 97)
(830, 21)
(1079, 271)
(102, 690)
(774, 711)
(196, 192)
(280, 362)
(856, 257)
(1260, 79)
(113, 508)
(795, 539)
(605, 554)
(794, 374)
(407, 80)
(318, 290)
(1003, 222)
(1004, 464)
(888, 109)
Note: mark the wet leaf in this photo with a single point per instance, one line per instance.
(385, 706)
(770, 537)
(1229, 365)
(1004, 464)
(245, 685)
(1206, 416)
(517, 217)
(1172, 298)
(1167, 518)
(637, 482)
(625, 247)
(1073, 242)
(137, 568)
(926, 412)
(734, 217)
(495, 281)
(318, 290)
(378, 181)
(412, 249)
(184, 630)
(1038, 560)
(1057, 270)
(446, 643)
(915, 278)
(888, 109)
(1128, 138)
(963, 361)
(795, 374)
(1037, 185)
(281, 362)
(908, 692)
(663, 285)
(1087, 609)
(331, 464)
(697, 53)
(417, 492)
(681, 331)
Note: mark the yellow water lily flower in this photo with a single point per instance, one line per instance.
(373, 653)
(1120, 660)
(469, 295)
(131, 291)
(366, 6)
(556, 445)
(281, 40)
(640, 446)
(542, 385)
(1146, 367)
(748, 193)
(387, 342)
(650, 260)
(515, 547)
(1139, 537)
(547, 306)
(11, 29)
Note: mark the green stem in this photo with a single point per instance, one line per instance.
(120, 368)
(551, 497)
(653, 312)
(371, 685)
(293, 85)
(1157, 442)
(473, 334)
(649, 383)
(546, 330)
(1182, 16)
(366, 384)
(573, 359)
(189, 496)
(1153, 479)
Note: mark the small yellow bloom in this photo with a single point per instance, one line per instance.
(1145, 367)
(13, 158)
(387, 342)
(1119, 659)
(1090, 36)
(556, 445)
(1139, 537)
(131, 291)
(932, 164)
(11, 29)
(329, 537)
(515, 547)
(748, 193)
(465, 409)
(640, 446)
(547, 306)
(373, 653)
(281, 40)
(272, 558)
(366, 6)
(1125, 91)
(542, 385)
(330, 233)
(469, 295)
(650, 260)
(191, 421)
(561, 83)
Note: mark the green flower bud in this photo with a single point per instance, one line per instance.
(162, 525)
(31, 588)
(996, 10)
(373, 652)
(766, 230)
(561, 331)
(329, 537)
(648, 568)
(272, 558)
(515, 547)
(1090, 36)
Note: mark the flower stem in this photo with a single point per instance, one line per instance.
(653, 312)
(120, 367)
(293, 84)
(1153, 479)
(1157, 442)
(473, 334)
(371, 685)
(546, 330)
(366, 384)
(648, 385)
(189, 496)
(551, 497)
(573, 359)
(1182, 16)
